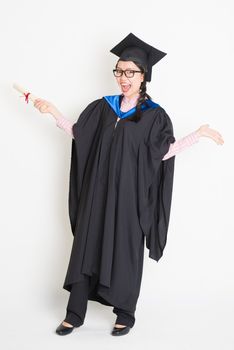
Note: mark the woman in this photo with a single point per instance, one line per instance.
(121, 180)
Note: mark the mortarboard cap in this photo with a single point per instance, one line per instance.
(132, 48)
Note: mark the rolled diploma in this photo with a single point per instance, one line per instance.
(24, 91)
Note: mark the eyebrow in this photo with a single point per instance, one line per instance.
(125, 69)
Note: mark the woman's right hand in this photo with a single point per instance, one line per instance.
(205, 130)
(46, 107)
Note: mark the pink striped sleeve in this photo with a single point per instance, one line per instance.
(65, 124)
(182, 144)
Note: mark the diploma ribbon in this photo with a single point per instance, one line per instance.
(26, 95)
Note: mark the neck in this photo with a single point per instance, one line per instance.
(130, 99)
(128, 102)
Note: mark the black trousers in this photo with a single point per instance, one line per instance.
(77, 306)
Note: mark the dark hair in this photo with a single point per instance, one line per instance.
(141, 100)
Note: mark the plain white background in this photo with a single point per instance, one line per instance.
(59, 50)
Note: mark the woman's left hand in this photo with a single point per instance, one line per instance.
(205, 130)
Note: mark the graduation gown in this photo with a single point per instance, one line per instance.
(119, 197)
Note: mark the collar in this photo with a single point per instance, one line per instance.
(114, 102)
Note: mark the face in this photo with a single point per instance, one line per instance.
(129, 86)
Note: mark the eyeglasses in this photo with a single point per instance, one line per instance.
(129, 73)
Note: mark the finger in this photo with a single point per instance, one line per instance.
(43, 105)
(37, 101)
(37, 104)
(41, 101)
(218, 135)
(220, 140)
(216, 132)
(40, 104)
(43, 108)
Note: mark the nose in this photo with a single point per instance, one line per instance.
(123, 79)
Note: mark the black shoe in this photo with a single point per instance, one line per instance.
(64, 330)
(120, 331)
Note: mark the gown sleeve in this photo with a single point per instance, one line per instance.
(155, 183)
(83, 131)
(161, 135)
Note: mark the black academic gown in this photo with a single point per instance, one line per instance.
(119, 196)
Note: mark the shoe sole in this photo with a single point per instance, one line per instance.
(117, 332)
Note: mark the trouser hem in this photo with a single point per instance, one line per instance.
(73, 319)
(124, 318)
